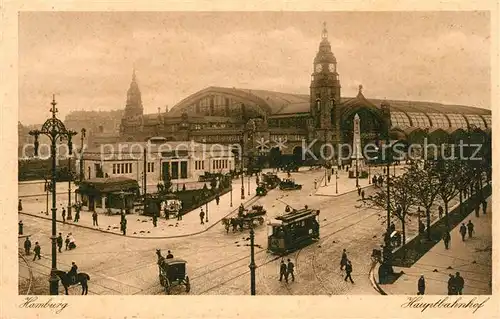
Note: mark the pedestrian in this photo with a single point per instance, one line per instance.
(440, 212)
(179, 215)
(392, 227)
(202, 215)
(363, 195)
(169, 255)
(72, 244)
(20, 206)
(283, 271)
(155, 219)
(124, 226)
(463, 231)
(77, 216)
(315, 184)
(66, 241)
(446, 239)
(20, 228)
(217, 199)
(470, 228)
(485, 205)
(59, 241)
(348, 271)
(27, 245)
(63, 215)
(451, 285)
(343, 260)
(459, 282)
(421, 227)
(289, 270)
(421, 285)
(94, 219)
(329, 177)
(359, 191)
(37, 251)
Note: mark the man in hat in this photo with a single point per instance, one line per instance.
(283, 271)
(463, 231)
(470, 228)
(27, 245)
(459, 282)
(421, 285)
(289, 269)
(37, 251)
(59, 241)
(73, 272)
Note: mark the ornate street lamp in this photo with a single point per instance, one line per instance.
(54, 129)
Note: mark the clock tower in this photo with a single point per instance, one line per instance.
(325, 91)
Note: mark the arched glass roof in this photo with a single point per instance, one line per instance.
(475, 120)
(419, 120)
(439, 120)
(457, 120)
(400, 119)
(487, 119)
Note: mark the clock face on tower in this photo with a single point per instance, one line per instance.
(319, 67)
(331, 67)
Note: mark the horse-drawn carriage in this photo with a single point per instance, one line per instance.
(289, 184)
(172, 272)
(171, 205)
(245, 218)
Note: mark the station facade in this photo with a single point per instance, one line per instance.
(270, 124)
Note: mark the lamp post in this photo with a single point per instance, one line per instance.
(70, 179)
(336, 181)
(248, 184)
(81, 177)
(54, 129)
(231, 191)
(206, 214)
(242, 180)
(47, 187)
(252, 265)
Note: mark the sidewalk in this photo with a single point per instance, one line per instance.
(472, 258)
(139, 226)
(346, 185)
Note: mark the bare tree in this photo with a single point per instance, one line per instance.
(425, 188)
(448, 174)
(401, 199)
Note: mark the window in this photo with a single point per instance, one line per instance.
(419, 120)
(457, 120)
(439, 120)
(475, 120)
(151, 167)
(400, 119)
(130, 167)
(184, 169)
(114, 168)
(122, 169)
(487, 119)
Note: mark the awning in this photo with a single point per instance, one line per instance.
(113, 185)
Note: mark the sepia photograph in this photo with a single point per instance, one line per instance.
(266, 153)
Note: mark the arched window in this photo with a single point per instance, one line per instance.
(475, 120)
(419, 120)
(439, 120)
(457, 120)
(400, 119)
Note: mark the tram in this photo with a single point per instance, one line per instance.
(293, 230)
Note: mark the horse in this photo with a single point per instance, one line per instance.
(81, 278)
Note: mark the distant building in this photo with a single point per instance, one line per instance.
(102, 127)
(180, 161)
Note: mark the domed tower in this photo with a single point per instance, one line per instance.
(325, 87)
(133, 108)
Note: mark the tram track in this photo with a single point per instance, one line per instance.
(30, 274)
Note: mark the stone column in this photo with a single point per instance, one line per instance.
(103, 199)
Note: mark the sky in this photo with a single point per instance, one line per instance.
(86, 58)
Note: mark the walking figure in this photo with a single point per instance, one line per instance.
(470, 228)
(20, 227)
(343, 260)
(63, 215)
(289, 270)
(27, 245)
(363, 195)
(202, 215)
(124, 226)
(452, 288)
(59, 241)
(66, 241)
(315, 184)
(169, 255)
(155, 219)
(421, 285)
(446, 239)
(463, 231)
(440, 212)
(485, 204)
(94, 219)
(348, 271)
(37, 251)
(179, 215)
(476, 209)
(359, 191)
(77, 216)
(459, 282)
(283, 271)
(20, 206)
(217, 199)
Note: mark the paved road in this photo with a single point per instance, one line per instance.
(218, 262)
